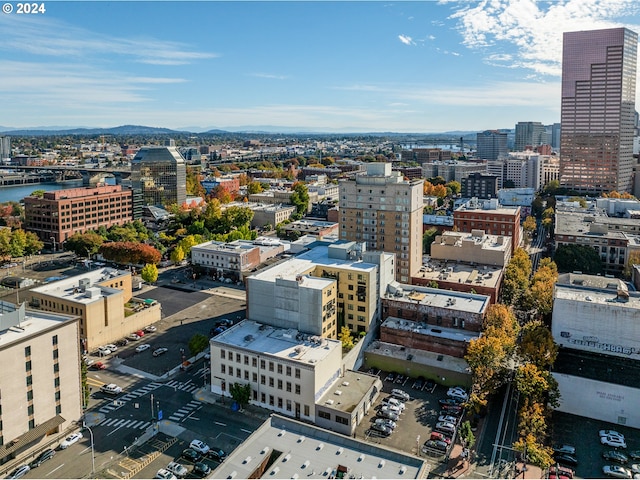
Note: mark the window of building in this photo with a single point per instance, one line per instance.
(297, 389)
(271, 366)
(254, 377)
(29, 394)
(238, 357)
(246, 359)
(262, 364)
(27, 351)
(288, 405)
(222, 354)
(288, 386)
(55, 339)
(55, 354)
(32, 423)
(288, 371)
(342, 420)
(279, 369)
(56, 367)
(263, 398)
(56, 382)
(30, 410)
(263, 379)
(238, 373)
(230, 371)
(306, 410)
(223, 368)
(279, 384)
(271, 382)
(297, 373)
(58, 409)
(246, 374)
(279, 402)
(29, 380)
(325, 415)
(254, 362)
(27, 365)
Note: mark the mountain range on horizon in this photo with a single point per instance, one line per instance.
(249, 129)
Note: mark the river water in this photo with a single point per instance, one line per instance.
(17, 193)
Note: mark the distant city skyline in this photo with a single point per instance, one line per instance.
(334, 67)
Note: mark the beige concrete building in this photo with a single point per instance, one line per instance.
(99, 297)
(266, 214)
(383, 210)
(40, 391)
(321, 290)
(227, 260)
(280, 197)
(286, 369)
(475, 247)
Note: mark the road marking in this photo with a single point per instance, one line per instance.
(114, 430)
(85, 450)
(57, 468)
(246, 431)
(220, 424)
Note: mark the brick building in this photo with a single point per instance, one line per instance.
(491, 217)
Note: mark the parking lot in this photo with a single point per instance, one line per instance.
(414, 425)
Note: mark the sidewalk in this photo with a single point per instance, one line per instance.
(206, 396)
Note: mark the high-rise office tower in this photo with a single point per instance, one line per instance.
(160, 175)
(598, 105)
(530, 134)
(492, 145)
(5, 148)
(383, 210)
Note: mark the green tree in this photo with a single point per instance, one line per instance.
(33, 244)
(38, 193)
(86, 391)
(573, 257)
(84, 244)
(300, 198)
(454, 186)
(254, 187)
(18, 243)
(177, 255)
(240, 393)
(198, 343)
(466, 434)
(149, 273)
(428, 237)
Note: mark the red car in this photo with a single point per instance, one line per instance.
(440, 436)
(98, 366)
(140, 333)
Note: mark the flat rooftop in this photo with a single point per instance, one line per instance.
(352, 387)
(421, 357)
(215, 246)
(581, 280)
(485, 241)
(603, 297)
(18, 324)
(436, 297)
(455, 334)
(300, 450)
(318, 255)
(69, 288)
(283, 343)
(447, 271)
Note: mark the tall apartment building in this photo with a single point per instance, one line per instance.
(5, 149)
(480, 186)
(598, 105)
(159, 174)
(39, 379)
(452, 170)
(57, 215)
(530, 134)
(492, 145)
(382, 209)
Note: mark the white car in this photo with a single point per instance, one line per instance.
(111, 389)
(143, 347)
(111, 347)
(150, 329)
(165, 474)
(613, 441)
(616, 471)
(393, 401)
(446, 427)
(199, 446)
(103, 351)
(613, 433)
(635, 468)
(177, 469)
(70, 440)
(400, 394)
(458, 392)
(390, 409)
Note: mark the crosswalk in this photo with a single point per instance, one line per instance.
(120, 401)
(185, 387)
(124, 423)
(185, 411)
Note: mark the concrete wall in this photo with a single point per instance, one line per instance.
(420, 341)
(616, 404)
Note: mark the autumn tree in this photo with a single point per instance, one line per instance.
(537, 345)
(177, 255)
(346, 338)
(529, 225)
(516, 277)
(149, 273)
(454, 187)
(33, 244)
(634, 259)
(84, 244)
(130, 252)
(537, 453)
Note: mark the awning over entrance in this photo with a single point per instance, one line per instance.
(29, 437)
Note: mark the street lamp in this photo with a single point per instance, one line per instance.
(93, 457)
(53, 240)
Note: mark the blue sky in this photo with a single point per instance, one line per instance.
(424, 66)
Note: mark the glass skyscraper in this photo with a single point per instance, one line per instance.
(598, 107)
(160, 175)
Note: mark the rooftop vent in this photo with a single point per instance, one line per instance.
(281, 433)
(287, 457)
(345, 384)
(329, 402)
(338, 392)
(246, 460)
(301, 439)
(320, 446)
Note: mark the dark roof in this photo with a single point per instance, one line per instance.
(604, 368)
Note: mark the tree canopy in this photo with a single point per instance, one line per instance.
(573, 257)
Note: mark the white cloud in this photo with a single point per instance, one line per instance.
(534, 28)
(406, 40)
(269, 75)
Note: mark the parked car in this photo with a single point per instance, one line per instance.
(111, 389)
(165, 474)
(391, 377)
(615, 456)
(177, 469)
(394, 402)
(614, 433)
(199, 446)
(566, 459)
(102, 351)
(452, 409)
(446, 427)
(122, 342)
(458, 393)
(87, 361)
(20, 472)
(217, 454)
(98, 366)
(448, 418)
(391, 409)
(449, 401)
(434, 445)
(388, 414)
(159, 351)
(191, 455)
(560, 471)
(400, 379)
(70, 440)
(381, 429)
(385, 421)
(150, 329)
(400, 395)
(140, 333)
(616, 471)
(635, 468)
(564, 448)
(418, 384)
(143, 347)
(43, 457)
(133, 337)
(634, 454)
(112, 347)
(201, 469)
(440, 436)
(613, 441)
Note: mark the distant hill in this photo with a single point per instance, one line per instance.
(121, 130)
